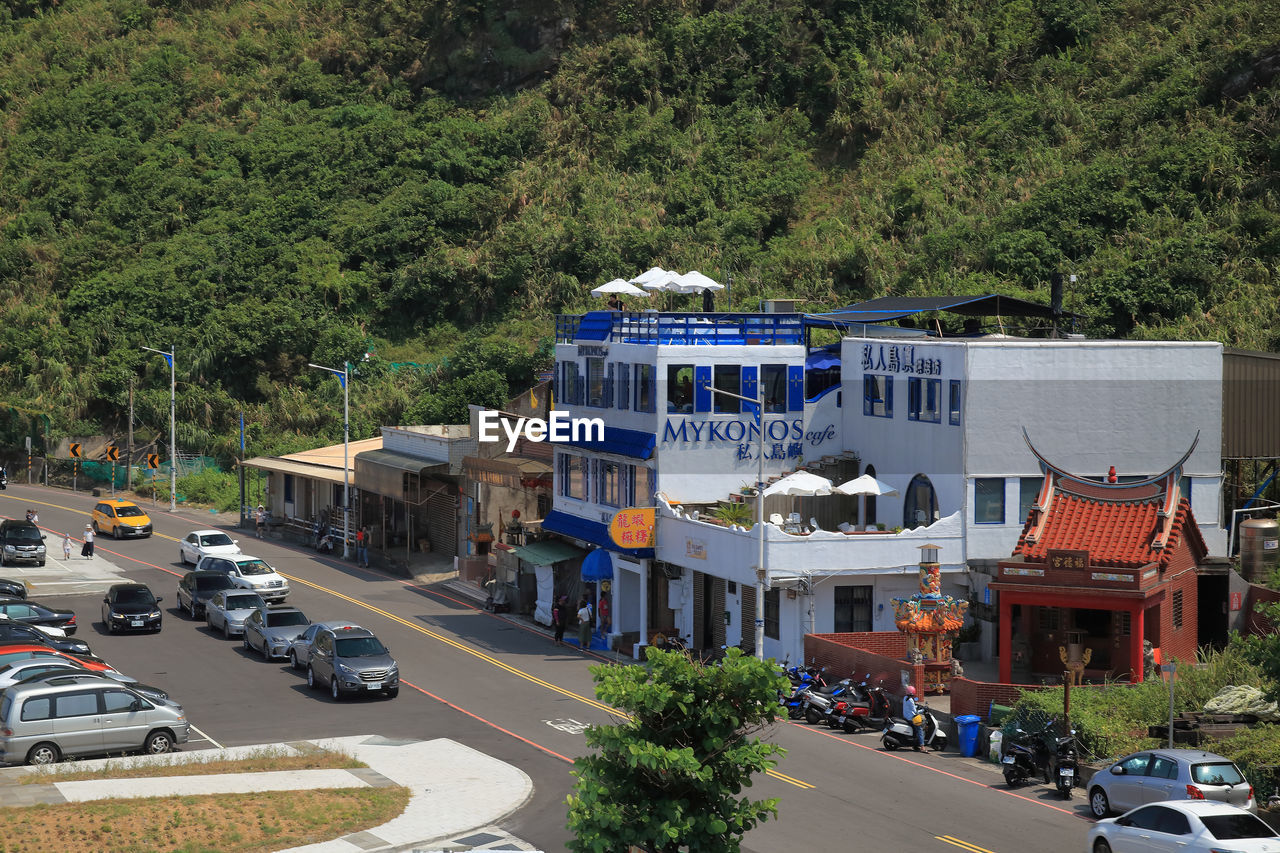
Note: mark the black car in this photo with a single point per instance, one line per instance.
(19, 634)
(12, 589)
(35, 613)
(131, 607)
(21, 542)
(198, 587)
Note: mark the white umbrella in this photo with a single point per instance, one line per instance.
(866, 485)
(619, 286)
(695, 282)
(800, 483)
(651, 275)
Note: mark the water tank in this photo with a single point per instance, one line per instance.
(1259, 548)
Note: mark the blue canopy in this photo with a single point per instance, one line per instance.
(598, 566)
(821, 360)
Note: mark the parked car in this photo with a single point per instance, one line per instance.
(351, 659)
(249, 573)
(17, 670)
(47, 629)
(21, 542)
(12, 588)
(131, 607)
(35, 613)
(228, 609)
(42, 721)
(299, 651)
(155, 694)
(122, 519)
(1183, 826)
(270, 631)
(10, 653)
(205, 543)
(1168, 774)
(196, 588)
(14, 633)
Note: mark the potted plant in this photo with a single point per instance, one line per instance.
(733, 513)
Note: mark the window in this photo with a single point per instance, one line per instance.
(1028, 492)
(115, 701)
(728, 377)
(570, 384)
(644, 388)
(853, 609)
(924, 400)
(1048, 618)
(773, 387)
(1173, 822)
(1163, 768)
(1177, 608)
(877, 395)
(623, 374)
(609, 483)
(1123, 623)
(38, 709)
(772, 606)
(988, 500)
(680, 388)
(76, 704)
(641, 486)
(595, 382)
(573, 476)
(954, 413)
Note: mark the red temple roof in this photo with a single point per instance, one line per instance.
(1116, 533)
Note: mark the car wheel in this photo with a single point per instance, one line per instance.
(111, 629)
(226, 630)
(1101, 846)
(392, 693)
(182, 557)
(334, 690)
(1099, 804)
(44, 753)
(293, 660)
(245, 641)
(96, 531)
(311, 678)
(158, 743)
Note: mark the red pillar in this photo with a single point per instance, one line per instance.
(1005, 649)
(1136, 633)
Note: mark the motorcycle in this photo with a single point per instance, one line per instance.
(820, 701)
(898, 732)
(1066, 769)
(1023, 755)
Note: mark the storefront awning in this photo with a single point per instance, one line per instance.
(548, 552)
(385, 472)
(623, 442)
(588, 531)
(298, 469)
(597, 567)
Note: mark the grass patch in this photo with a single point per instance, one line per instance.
(259, 761)
(230, 823)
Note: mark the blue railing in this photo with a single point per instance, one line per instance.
(645, 327)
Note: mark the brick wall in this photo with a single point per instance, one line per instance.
(889, 643)
(1180, 643)
(975, 697)
(846, 655)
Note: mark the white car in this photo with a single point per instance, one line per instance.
(47, 630)
(249, 573)
(228, 609)
(204, 543)
(1183, 826)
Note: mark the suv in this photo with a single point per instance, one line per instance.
(350, 659)
(121, 519)
(41, 721)
(249, 573)
(196, 588)
(21, 542)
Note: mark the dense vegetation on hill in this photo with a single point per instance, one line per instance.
(271, 183)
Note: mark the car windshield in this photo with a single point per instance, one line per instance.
(1224, 773)
(128, 512)
(213, 583)
(282, 620)
(242, 602)
(134, 596)
(359, 647)
(215, 539)
(1228, 826)
(23, 534)
(255, 567)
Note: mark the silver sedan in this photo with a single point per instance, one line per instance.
(228, 609)
(269, 632)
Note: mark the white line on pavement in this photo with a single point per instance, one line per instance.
(206, 737)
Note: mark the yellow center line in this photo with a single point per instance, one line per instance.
(492, 660)
(963, 845)
(83, 512)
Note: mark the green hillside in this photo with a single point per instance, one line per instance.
(267, 184)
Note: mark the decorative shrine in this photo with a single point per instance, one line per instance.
(930, 620)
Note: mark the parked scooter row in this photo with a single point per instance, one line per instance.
(855, 706)
(1025, 754)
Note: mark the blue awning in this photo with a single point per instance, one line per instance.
(624, 442)
(598, 566)
(594, 326)
(588, 531)
(821, 360)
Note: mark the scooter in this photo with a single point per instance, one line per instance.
(898, 733)
(1065, 761)
(1023, 755)
(820, 701)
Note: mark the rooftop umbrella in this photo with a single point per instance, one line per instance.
(865, 485)
(695, 282)
(800, 483)
(619, 286)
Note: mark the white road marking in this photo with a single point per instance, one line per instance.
(206, 737)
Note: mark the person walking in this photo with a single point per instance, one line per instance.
(558, 619)
(261, 518)
(33, 517)
(909, 713)
(584, 624)
(66, 547)
(362, 546)
(87, 549)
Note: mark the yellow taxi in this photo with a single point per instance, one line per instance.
(121, 519)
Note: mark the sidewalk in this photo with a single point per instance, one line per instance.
(457, 793)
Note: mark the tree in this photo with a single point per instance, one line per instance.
(670, 776)
(1263, 650)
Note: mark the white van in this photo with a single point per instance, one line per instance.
(43, 721)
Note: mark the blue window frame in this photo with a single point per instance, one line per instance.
(877, 395)
(954, 416)
(795, 387)
(702, 388)
(646, 388)
(988, 500)
(924, 399)
(750, 387)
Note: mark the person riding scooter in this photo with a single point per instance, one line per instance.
(912, 715)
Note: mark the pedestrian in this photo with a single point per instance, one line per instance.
(910, 713)
(584, 624)
(33, 517)
(362, 546)
(66, 547)
(558, 620)
(261, 518)
(315, 534)
(615, 303)
(87, 549)
(606, 622)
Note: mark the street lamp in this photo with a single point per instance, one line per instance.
(343, 376)
(170, 357)
(762, 576)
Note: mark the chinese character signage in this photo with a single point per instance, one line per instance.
(898, 358)
(632, 528)
(1062, 559)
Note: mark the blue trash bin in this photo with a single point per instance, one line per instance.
(967, 728)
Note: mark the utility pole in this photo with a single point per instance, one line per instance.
(128, 462)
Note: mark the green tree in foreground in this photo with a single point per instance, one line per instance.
(670, 777)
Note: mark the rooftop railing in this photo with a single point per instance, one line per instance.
(678, 329)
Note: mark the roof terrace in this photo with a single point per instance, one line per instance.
(678, 329)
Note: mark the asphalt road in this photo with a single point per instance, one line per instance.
(497, 686)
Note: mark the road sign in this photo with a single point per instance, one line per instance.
(153, 460)
(75, 450)
(113, 453)
(1168, 667)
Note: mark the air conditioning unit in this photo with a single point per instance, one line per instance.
(672, 572)
(780, 306)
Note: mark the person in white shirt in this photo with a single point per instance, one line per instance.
(584, 624)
